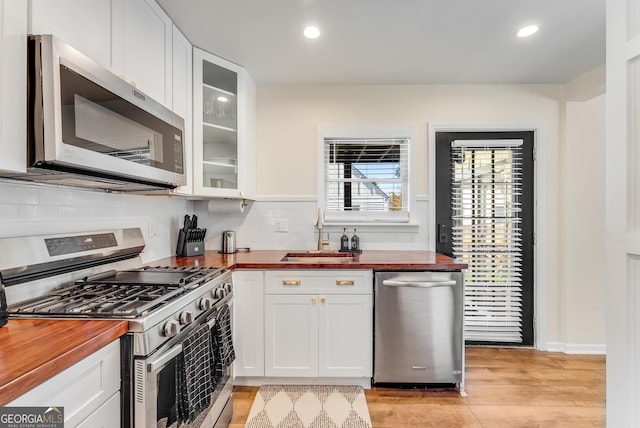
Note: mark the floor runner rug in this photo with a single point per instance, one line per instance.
(309, 406)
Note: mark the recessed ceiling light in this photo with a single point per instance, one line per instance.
(528, 30)
(311, 32)
(222, 99)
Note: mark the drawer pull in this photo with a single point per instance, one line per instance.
(295, 282)
(345, 282)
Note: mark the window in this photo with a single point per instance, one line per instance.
(365, 175)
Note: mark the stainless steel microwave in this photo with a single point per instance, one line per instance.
(87, 127)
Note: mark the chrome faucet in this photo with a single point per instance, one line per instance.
(323, 244)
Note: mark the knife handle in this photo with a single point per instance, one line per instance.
(181, 243)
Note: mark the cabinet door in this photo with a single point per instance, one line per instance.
(107, 416)
(248, 315)
(84, 25)
(224, 127)
(142, 54)
(345, 335)
(82, 388)
(291, 332)
(183, 100)
(13, 85)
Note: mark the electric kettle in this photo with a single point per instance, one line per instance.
(228, 242)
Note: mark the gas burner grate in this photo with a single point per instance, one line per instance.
(108, 296)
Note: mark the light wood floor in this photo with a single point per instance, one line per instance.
(505, 387)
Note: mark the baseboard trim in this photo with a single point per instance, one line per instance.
(365, 382)
(576, 348)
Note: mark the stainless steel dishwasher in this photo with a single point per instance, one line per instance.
(418, 328)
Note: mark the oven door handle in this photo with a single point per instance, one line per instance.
(212, 322)
(164, 358)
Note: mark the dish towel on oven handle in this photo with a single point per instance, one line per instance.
(223, 353)
(197, 384)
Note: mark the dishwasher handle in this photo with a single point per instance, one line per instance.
(418, 284)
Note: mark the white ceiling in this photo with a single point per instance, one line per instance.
(398, 41)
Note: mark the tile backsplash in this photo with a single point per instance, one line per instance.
(30, 209)
(256, 227)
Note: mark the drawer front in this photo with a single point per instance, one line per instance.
(319, 281)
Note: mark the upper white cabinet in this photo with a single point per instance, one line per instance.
(224, 128)
(13, 85)
(142, 35)
(133, 38)
(85, 25)
(182, 75)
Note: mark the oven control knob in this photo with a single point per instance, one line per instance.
(205, 304)
(219, 293)
(170, 329)
(186, 318)
(228, 287)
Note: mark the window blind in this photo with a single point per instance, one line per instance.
(366, 179)
(486, 233)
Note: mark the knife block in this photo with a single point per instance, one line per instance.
(193, 248)
(189, 248)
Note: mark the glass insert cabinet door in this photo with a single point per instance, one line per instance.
(216, 160)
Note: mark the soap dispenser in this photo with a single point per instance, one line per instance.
(355, 242)
(344, 241)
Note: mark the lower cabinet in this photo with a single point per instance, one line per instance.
(248, 323)
(89, 391)
(318, 323)
(327, 335)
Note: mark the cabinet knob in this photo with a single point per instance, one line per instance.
(322, 300)
(294, 282)
(345, 282)
(313, 300)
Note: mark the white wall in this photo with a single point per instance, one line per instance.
(583, 298)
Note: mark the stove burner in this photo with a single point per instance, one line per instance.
(122, 294)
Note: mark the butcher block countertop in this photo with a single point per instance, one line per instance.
(272, 259)
(32, 351)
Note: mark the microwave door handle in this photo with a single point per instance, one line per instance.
(164, 358)
(418, 284)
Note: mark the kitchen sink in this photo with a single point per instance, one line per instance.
(319, 257)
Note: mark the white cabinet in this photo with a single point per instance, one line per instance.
(318, 323)
(345, 335)
(291, 332)
(13, 85)
(224, 128)
(142, 35)
(133, 38)
(182, 75)
(107, 415)
(84, 390)
(248, 322)
(84, 25)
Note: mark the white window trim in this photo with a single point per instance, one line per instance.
(373, 131)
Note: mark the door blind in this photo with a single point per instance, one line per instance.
(486, 234)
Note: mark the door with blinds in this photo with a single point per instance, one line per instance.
(484, 217)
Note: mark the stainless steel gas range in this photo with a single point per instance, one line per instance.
(176, 357)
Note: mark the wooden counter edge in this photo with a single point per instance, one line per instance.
(22, 384)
